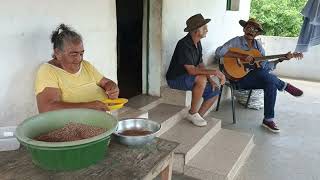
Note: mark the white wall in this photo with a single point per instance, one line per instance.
(223, 25)
(155, 46)
(308, 68)
(24, 44)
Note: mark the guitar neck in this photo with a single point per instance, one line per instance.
(264, 58)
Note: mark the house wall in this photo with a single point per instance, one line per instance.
(25, 30)
(306, 69)
(222, 27)
(155, 47)
(27, 25)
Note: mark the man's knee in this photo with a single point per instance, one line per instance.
(201, 80)
(267, 77)
(270, 79)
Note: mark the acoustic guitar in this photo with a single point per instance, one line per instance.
(236, 68)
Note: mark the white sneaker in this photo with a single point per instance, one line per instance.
(196, 119)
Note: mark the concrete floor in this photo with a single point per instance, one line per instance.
(294, 153)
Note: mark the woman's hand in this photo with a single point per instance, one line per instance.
(111, 90)
(98, 105)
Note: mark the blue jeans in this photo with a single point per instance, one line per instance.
(262, 79)
(186, 82)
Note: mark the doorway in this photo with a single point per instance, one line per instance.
(129, 47)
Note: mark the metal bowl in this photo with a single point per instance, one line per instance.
(134, 124)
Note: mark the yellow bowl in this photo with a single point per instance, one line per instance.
(118, 103)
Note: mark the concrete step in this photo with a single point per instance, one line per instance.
(176, 176)
(222, 157)
(128, 112)
(183, 98)
(191, 139)
(176, 97)
(167, 115)
(144, 102)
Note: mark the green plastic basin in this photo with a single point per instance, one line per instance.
(66, 155)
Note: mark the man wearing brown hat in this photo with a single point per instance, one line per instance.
(259, 78)
(187, 72)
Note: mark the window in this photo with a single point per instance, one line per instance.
(233, 5)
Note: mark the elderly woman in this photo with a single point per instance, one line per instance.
(68, 81)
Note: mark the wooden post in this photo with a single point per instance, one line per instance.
(166, 174)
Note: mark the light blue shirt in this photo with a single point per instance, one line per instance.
(240, 42)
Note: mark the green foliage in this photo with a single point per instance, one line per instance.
(279, 17)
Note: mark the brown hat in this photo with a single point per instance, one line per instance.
(253, 22)
(195, 22)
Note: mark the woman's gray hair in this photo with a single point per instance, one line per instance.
(62, 35)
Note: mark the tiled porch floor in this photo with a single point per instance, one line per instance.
(294, 153)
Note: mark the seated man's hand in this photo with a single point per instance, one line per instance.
(249, 59)
(221, 77)
(289, 55)
(214, 85)
(111, 90)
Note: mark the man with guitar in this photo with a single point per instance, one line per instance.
(245, 64)
(187, 72)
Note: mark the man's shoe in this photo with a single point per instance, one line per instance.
(271, 126)
(196, 119)
(293, 90)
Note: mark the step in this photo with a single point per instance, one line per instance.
(222, 157)
(176, 176)
(128, 112)
(183, 98)
(176, 97)
(167, 115)
(144, 102)
(191, 139)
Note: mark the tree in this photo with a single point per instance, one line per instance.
(279, 18)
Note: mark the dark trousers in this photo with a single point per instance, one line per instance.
(262, 79)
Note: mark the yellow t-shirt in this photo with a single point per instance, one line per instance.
(79, 87)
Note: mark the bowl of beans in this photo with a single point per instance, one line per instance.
(67, 139)
(136, 131)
